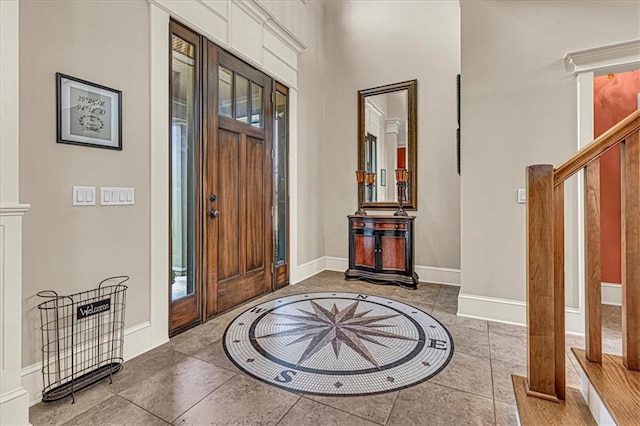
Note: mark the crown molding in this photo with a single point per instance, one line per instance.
(257, 12)
(264, 17)
(207, 4)
(254, 9)
(620, 56)
(284, 35)
(393, 125)
(373, 107)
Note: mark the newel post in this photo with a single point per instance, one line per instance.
(545, 284)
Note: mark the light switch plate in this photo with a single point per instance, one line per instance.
(522, 196)
(83, 196)
(111, 196)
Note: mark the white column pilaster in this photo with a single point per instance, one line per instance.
(159, 155)
(14, 399)
(293, 187)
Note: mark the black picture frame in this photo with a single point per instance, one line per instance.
(88, 114)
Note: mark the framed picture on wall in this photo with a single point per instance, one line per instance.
(88, 114)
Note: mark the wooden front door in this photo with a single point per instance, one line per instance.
(238, 182)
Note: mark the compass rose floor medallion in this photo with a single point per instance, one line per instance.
(338, 344)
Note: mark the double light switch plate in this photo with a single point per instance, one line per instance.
(84, 196)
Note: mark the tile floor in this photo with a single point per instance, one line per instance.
(190, 380)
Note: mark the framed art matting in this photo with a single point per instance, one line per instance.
(88, 114)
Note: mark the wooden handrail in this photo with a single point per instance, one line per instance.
(546, 259)
(595, 149)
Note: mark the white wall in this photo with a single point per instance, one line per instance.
(311, 136)
(519, 108)
(70, 249)
(411, 40)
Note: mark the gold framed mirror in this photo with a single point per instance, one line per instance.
(388, 140)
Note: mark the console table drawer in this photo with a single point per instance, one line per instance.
(380, 225)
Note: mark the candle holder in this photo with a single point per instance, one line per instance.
(402, 179)
(370, 178)
(360, 177)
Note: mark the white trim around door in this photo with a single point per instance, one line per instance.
(273, 49)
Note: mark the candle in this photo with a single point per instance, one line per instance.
(402, 175)
(371, 178)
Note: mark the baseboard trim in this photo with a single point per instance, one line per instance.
(428, 274)
(338, 264)
(14, 407)
(510, 312)
(611, 294)
(492, 309)
(309, 269)
(137, 340)
(436, 275)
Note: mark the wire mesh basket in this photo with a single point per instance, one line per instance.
(82, 337)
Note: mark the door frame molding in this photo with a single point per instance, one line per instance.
(273, 51)
(585, 65)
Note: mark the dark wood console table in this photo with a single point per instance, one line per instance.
(381, 250)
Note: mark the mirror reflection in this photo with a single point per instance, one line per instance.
(387, 141)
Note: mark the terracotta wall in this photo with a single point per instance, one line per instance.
(402, 158)
(615, 97)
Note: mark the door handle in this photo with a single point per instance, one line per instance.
(214, 213)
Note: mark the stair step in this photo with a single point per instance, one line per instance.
(535, 411)
(617, 387)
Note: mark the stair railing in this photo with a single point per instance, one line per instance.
(545, 259)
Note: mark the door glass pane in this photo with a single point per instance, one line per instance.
(242, 99)
(256, 105)
(371, 166)
(225, 99)
(280, 178)
(183, 125)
